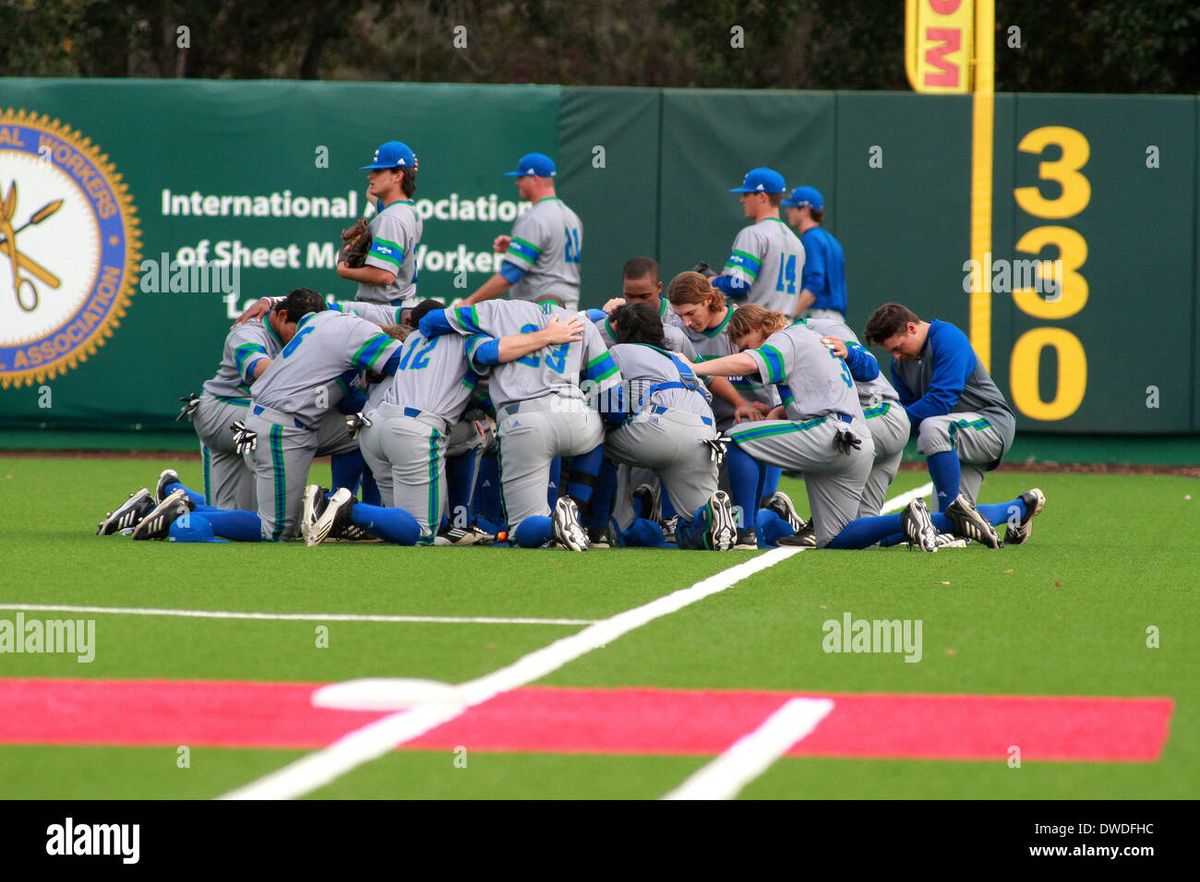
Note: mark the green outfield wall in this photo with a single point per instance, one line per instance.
(119, 182)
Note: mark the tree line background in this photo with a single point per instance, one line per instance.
(1065, 46)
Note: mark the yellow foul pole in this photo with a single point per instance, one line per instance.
(983, 123)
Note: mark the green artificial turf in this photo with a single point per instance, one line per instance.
(1064, 615)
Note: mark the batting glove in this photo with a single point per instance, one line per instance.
(357, 422)
(191, 402)
(845, 441)
(244, 440)
(716, 448)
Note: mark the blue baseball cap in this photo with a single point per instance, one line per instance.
(392, 154)
(192, 527)
(761, 180)
(537, 164)
(809, 196)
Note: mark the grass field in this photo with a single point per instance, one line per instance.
(194, 707)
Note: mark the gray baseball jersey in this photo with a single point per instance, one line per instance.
(433, 376)
(644, 368)
(553, 369)
(547, 241)
(715, 343)
(818, 383)
(395, 235)
(769, 258)
(871, 393)
(245, 345)
(326, 346)
(676, 339)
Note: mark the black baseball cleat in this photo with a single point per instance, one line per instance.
(746, 540)
(470, 535)
(128, 514)
(1035, 501)
(157, 524)
(722, 533)
(970, 524)
(918, 526)
(314, 504)
(335, 514)
(669, 526)
(781, 504)
(165, 480)
(805, 538)
(568, 531)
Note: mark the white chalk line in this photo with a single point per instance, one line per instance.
(750, 756)
(377, 739)
(753, 754)
(287, 617)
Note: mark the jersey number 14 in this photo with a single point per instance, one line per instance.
(787, 272)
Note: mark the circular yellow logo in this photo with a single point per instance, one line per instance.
(69, 248)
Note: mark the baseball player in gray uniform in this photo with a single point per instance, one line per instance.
(825, 435)
(389, 274)
(542, 413)
(666, 426)
(962, 422)
(767, 260)
(885, 416)
(409, 429)
(291, 399)
(542, 256)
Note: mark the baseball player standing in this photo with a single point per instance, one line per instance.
(389, 274)
(767, 261)
(823, 283)
(542, 256)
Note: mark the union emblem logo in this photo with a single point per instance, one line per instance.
(70, 248)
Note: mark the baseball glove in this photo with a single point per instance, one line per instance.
(357, 242)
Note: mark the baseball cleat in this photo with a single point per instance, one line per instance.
(314, 504)
(336, 513)
(722, 533)
(165, 480)
(747, 540)
(781, 504)
(949, 540)
(669, 526)
(1035, 501)
(128, 514)
(805, 538)
(157, 524)
(598, 537)
(918, 526)
(568, 531)
(970, 524)
(471, 535)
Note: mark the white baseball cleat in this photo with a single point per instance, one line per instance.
(568, 531)
(337, 511)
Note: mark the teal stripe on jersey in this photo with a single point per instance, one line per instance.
(468, 318)
(370, 351)
(977, 425)
(525, 244)
(280, 481)
(773, 359)
(745, 261)
(600, 368)
(243, 352)
(785, 394)
(520, 251)
(387, 250)
(236, 402)
(753, 434)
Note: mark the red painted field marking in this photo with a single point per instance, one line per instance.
(612, 721)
